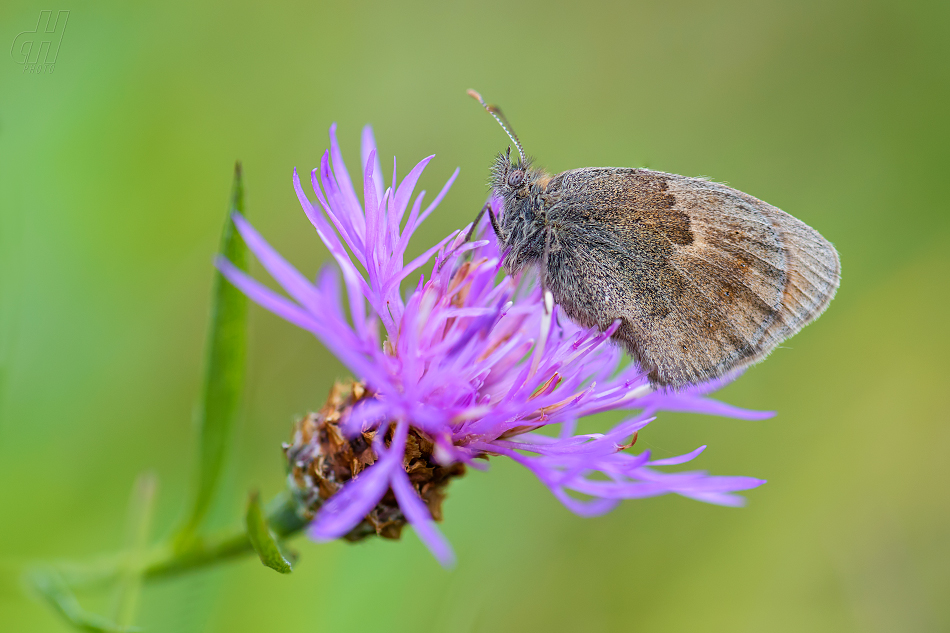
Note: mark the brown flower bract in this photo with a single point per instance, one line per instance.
(322, 460)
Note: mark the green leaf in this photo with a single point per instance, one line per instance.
(224, 370)
(262, 539)
(49, 584)
(141, 509)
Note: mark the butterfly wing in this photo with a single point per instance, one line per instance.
(705, 279)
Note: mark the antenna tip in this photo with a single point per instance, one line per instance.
(474, 95)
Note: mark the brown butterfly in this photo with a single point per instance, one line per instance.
(704, 279)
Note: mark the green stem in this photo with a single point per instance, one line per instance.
(282, 518)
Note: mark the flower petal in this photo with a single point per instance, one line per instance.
(367, 148)
(682, 459)
(420, 519)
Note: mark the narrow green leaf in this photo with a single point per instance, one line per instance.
(224, 370)
(261, 537)
(141, 508)
(49, 584)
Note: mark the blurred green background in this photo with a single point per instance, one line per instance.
(114, 177)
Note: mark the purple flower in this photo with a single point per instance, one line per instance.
(467, 365)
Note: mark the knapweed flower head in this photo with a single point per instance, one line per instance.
(470, 363)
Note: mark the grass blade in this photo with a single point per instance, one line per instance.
(57, 594)
(224, 369)
(141, 509)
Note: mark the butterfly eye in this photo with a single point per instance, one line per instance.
(515, 178)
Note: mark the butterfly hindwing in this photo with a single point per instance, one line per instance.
(705, 279)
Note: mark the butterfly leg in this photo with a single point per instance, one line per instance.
(494, 225)
(478, 218)
(545, 254)
(474, 229)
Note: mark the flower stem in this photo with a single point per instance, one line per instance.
(282, 517)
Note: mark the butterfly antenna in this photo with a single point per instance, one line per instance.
(495, 111)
